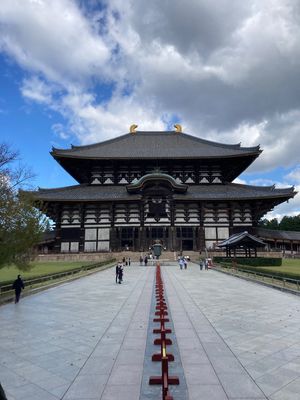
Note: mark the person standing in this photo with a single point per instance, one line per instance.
(117, 272)
(141, 260)
(129, 261)
(120, 275)
(181, 263)
(185, 263)
(18, 285)
(201, 264)
(206, 264)
(146, 260)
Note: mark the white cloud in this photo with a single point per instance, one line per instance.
(294, 176)
(59, 130)
(37, 90)
(290, 208)
(52, 38)
(91, 122)
(228, 69)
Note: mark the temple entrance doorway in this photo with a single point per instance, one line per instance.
(187, 245)
(127, 244)
(157, 234)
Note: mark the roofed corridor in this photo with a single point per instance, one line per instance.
(87, 339)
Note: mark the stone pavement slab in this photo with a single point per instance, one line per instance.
(248, 333)
(87, 339)
(81, 340)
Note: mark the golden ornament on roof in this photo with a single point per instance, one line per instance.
(178, 128)
(132, 128)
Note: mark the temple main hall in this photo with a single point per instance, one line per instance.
(143, 187)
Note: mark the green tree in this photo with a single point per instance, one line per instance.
(272, 224)
(286, 224)
(21, 224)
(290, 223)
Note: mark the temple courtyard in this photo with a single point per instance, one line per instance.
(92, 338)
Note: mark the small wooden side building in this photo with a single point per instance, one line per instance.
(242, 244)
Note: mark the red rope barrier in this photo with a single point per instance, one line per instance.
(161, 311)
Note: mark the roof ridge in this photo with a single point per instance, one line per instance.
(219, 144)
(91, 145)
(236, 146)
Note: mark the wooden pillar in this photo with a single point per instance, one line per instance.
(57, 212)
(142, 233)
(82, 232)
(195, 247)
(164, 241)
(179, 239)
(142, 238)
(201, 230)
(230, 215)
(172, 238)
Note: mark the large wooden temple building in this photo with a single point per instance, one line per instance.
(146, 186)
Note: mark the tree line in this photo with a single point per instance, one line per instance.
(286, 224)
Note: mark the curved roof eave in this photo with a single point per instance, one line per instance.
(231, 192)
(78, 157)
(148, 141)
(157, 133)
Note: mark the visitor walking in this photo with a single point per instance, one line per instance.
(151, 259)
(185, 263)
(181, 263)
(129, 261)
(120, 275)
(141, 260)
(201, 264)
(18, 285)
(206, 264)
(117, 272)
(146, 260)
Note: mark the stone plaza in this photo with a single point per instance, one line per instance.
(92, 339)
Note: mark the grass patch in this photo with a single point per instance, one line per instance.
(290, 268)
(8, 274)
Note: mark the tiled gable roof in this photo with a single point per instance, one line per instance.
(162, 145)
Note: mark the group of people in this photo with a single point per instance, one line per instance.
(126, 261)
(144, 259)
(183, 262)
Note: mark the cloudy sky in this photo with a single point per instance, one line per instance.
(83, 71)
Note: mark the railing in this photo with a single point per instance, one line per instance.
(30, 283)
(268, 278)
(161, 314)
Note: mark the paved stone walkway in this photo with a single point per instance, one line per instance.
(87, 339)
